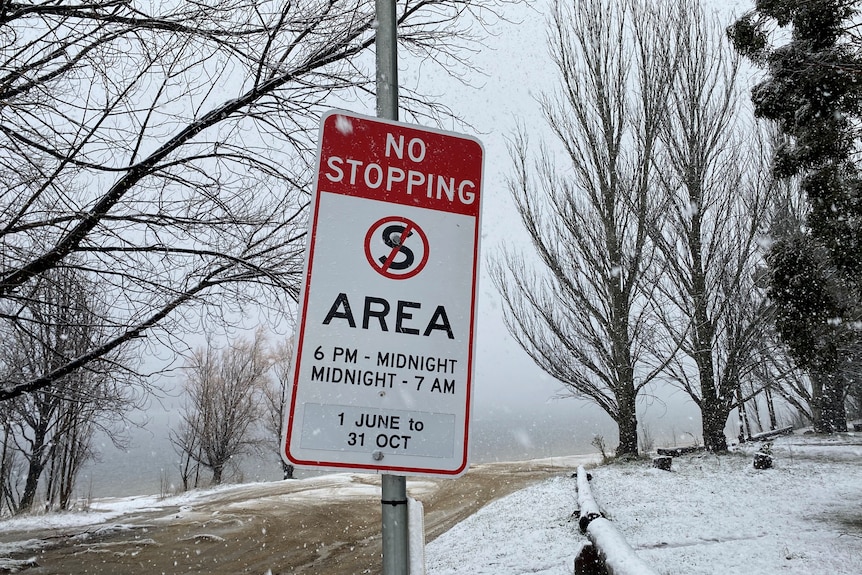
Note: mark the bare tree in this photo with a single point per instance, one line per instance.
(72, 448)
(50, 432)
(224, 403)
(164, 147)
(582, 315)
(716, 187)
(276, 399)
(186, 444)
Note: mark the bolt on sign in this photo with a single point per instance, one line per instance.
(384, 357)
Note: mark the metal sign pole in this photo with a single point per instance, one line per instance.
(396, 548)
(387, 61)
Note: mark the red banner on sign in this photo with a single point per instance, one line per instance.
(403, 166)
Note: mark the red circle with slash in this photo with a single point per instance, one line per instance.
(396, 247)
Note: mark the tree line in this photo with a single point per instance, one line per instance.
(236, 400)
(680, 240)
(47, 435)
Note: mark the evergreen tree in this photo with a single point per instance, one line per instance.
(813, 91)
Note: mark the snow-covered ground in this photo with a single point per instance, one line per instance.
(710, 514)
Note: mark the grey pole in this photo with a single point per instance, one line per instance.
(387, 61)
(396, 548)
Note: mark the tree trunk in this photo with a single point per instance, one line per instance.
(217, 474)
(714, 438)
(744, 425)
(756, 416)
(5, 469)
(34, 471)
(714, 410)
(628, 425)
(714, 413)
(626, 394)
(816, 402)
(833, 417)
(770, 406)
(36, 464)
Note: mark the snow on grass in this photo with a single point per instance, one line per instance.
(802, 516)
(104, 510)
(16, 565)
(529, 531)
(708, 515)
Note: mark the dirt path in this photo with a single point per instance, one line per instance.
(286, 528)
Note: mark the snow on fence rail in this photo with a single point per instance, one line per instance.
(607, 552)
(678, 451)
(770, 434)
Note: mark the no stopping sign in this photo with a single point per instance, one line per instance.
(384, 352)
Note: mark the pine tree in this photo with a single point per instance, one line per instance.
(813, 92)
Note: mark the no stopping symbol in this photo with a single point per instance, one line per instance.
(396, 247)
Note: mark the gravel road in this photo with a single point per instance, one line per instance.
(283, 528)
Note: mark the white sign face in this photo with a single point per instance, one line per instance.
(382, 379)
